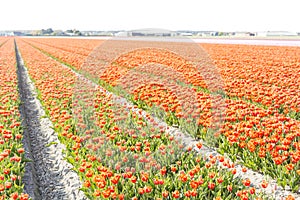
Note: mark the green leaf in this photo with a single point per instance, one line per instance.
(51, 143)
(70, 160)
(26, 160)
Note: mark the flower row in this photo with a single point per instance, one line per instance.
(12, 159)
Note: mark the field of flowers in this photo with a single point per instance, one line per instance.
(11, 133)
(245, 103)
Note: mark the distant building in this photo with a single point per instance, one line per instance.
(276, 33)
(58, 33)
(6, 33)
(18, 33)
(123, 34)
(147, 33)
(206, 33)
(243, 34)
(186, 34)
(97, 33)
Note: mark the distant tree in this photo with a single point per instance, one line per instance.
(47, 31)
(77, 32)
(73, 32)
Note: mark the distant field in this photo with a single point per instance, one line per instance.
(270, 41)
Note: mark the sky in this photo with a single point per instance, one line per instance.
(218, 15)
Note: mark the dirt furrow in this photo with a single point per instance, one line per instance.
(48, 175)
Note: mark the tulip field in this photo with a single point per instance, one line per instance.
(113, 104)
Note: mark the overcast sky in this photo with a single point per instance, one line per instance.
(222, 15)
